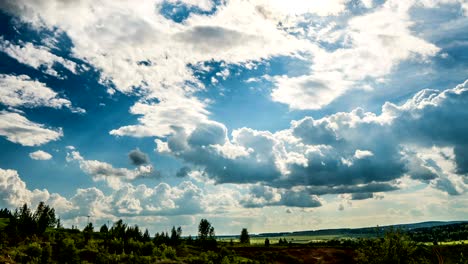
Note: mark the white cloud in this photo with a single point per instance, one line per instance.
(22, 91)
(134, 201)
(14, 193)
(371, 46)
(161, 119)
(40, 155)
(239, 32)
(261, 196)
(298, 7)
(37, 57)
(309, 92)
(362, 154)
(124, 34)
(13, 189)
(102, 171)
(18, 129)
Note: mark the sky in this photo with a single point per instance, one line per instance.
(265, 114)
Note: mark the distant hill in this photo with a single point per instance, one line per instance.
(364, 231)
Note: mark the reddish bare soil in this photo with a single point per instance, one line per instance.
(297, 254)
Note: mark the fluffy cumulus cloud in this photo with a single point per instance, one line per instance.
(13, 189)
(130, 200)
(18, 129)
(40, 155)
(140, 200)
(260, 196)
(22, 91)
(356, 152)
(14, 193)
(164, 118)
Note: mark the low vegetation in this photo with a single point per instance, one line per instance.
(37, 236)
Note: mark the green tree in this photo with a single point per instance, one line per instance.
(25, 221)
(176, 235)
(5, 213)
(44, 216)
(146, 236)
(88, 232)
(244, 236)
(267, 242)
(104, 229)
(205, 230)
(118, 229)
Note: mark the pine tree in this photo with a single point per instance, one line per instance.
(244, 237)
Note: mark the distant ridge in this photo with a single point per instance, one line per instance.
(362, 231)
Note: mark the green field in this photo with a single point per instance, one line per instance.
(289, 238)
(254, 240)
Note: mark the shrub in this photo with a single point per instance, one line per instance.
(169, 253)
(395, 247)
(33, 250)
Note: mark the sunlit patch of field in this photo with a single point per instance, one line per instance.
(449, 243)
(289, 238)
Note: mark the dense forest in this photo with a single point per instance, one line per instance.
(37, 236)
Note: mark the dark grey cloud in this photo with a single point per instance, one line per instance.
(137, 157)
(361, 196)
(197, 148)
(207, 134)
(446, 185)
(362, 188)
(313, 132)
(299, 199)
(461, 158)
(183, 172)
(260, 196)
(206, 38)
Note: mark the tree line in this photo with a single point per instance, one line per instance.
(37, 236)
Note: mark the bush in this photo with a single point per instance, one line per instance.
(33, 250)
(395, 247)
(68, 252)
(147, 249)
(46, 253)
(169, 253)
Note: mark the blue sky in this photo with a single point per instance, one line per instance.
(271, 115)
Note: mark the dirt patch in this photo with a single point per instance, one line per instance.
(297, 254)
